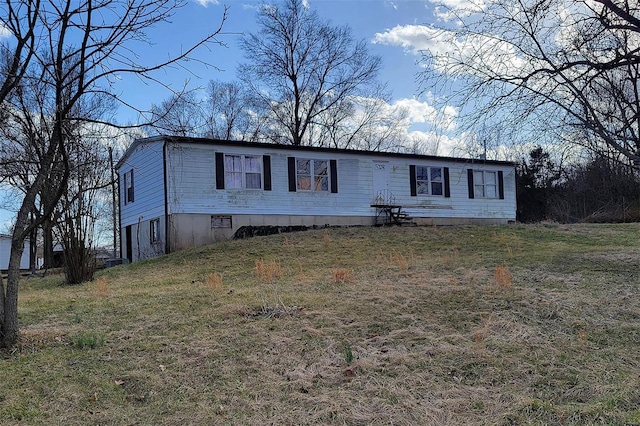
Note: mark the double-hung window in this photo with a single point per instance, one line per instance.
(243, 171)
(312, 175)
(485, 184)
(429, 180)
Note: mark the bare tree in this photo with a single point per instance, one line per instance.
(78, 50)
(301, 67)
(365, 122)
(231, 112)
(180, 115)
(566, 66)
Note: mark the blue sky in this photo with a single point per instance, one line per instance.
(393, 30)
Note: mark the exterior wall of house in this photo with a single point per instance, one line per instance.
(202, 208)
(192, 187)
(190, 229)
(146, 162)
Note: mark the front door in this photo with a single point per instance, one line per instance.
(381, 194)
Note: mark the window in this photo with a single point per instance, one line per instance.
(312, 175)
(154, 231)
(485, 184)
(243, 171)
(128, 187)
(429, 180)
(220, 221)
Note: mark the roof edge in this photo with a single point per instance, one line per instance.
(223, 142)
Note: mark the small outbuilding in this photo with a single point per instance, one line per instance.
(5, 252)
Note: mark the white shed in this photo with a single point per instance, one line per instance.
(5, 251)
(178, 192)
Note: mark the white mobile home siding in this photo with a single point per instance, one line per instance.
(192, 187)
(148, 178)
(194, 201)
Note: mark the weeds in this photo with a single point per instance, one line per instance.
(502, 278)
(214, 282)
(90, 340)
(268, 273)
(102, 290)
(348, 353)
(343, 276)
(326, 240)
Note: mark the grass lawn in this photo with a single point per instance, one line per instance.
(450, 325)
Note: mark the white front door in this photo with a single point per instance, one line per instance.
(381, 193)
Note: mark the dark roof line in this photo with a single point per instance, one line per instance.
(206, 141)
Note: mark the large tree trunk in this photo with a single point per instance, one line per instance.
(10, 323)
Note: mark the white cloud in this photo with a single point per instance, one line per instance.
(413, 38)
(447, 50)
(449, 10)
(206, 3)
(4, 32)
(305, 3)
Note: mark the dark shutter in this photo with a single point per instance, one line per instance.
(219, 170)
(501, 185)
(412, 180)
(266, 169)
(130, 190)
(334, 176)
(291, 163)
(470, 182)
(447, 190)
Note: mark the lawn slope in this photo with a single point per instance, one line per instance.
(405, 326)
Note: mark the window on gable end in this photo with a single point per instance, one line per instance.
(128, 187)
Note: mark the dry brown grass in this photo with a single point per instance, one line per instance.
(268, 272)
(102, 290)
(342, 276)
(213, 282)
(502, 278)
(438, 342)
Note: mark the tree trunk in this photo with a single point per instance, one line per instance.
(10, 323)
(47, 244)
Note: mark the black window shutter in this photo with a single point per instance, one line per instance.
(130, 194)
(470, 182)
(501, 185)
(447, 189)
(412, 180)
(291, 162)
(266, 169)
(334, 176)
(219, 170)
